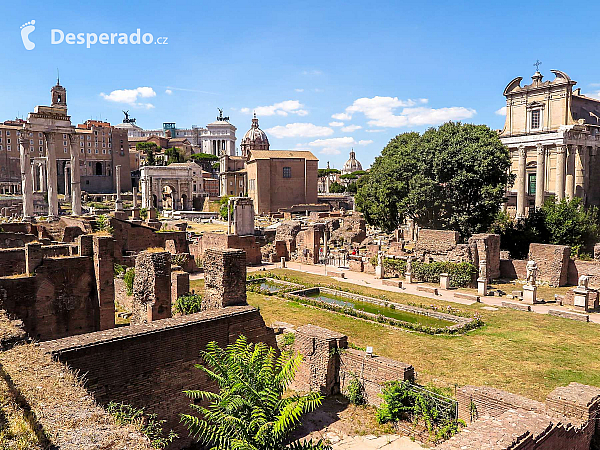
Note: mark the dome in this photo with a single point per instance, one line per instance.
(352, 165)
(254, 139)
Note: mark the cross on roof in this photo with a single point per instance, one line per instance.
(537, 65)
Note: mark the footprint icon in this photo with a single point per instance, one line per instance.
(26, 30)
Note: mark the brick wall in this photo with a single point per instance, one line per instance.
(577, 268)
(372, 372)
(224, 278)
(149, 365)
(487, 247)
(151, 287)
(250, 244)
(513, 268)
(12, 261)
(552, 262)
(15, 240)
(436, 241)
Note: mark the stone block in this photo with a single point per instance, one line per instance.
(444, 281)
(482, 286)
(530, 295)
(569, 315)
(465, 296)
(392, 282)
(517, 306)
(224, 278)
(428, 289)
(152, 287)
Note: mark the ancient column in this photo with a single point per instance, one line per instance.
(43, 175)
(540, 176)
(570, 183)
(119, 202)
(521, 182)
(33, 177)
(561, 158)
(26, 181)
(580, 169)
(67, 182)
(51, 176)
(134, 197)
(75, 176)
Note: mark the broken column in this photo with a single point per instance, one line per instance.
(243, 216)
(581, 294)
(75, 177)
(224, 278)
(26, 181)
(119, 202)
(444, 281)
(104, 263)
(135, 192)
(408, 271)
(482, 281)
(151, 287)
(67, 183)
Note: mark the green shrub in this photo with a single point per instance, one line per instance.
(119, 269)
(289, 339)
(146, 423)
(128, 278)
(355, 392)
(144, 213)
(461, 274)
(102, 223)
(188, 304)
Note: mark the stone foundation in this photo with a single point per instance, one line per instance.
(224, 278)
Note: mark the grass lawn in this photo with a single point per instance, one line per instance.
(524, 353)
(206, 227)
(543, 291)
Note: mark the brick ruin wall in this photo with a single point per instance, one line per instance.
(250, 244)
(329, 365)
(436, 241)
(552, 262)
(151, 287)
(566, 420)
(486, 246)
(67, 295)
(131, 238)
(150, 365)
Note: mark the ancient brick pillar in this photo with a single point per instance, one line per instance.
(103, 254)
(33, 257)
(180, 284)
(86, 245)
(319, 371)
(152, 287)
(224, 278)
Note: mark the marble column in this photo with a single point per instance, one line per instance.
(43, 179)
(75, 176)
(51, 176)
(561, 159)
(26, 180)
(119, 202)
(521, 182)
(67, 182)
(33, 177)
(540, 176)
(580, 170)
(135, 193)
(570, 182)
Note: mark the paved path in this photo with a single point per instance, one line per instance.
(370, 442)
(365, 279)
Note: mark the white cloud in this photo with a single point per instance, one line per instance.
(130, 96)
(299, 90)
(281, 109)
(318, 90)
(332, 146)
(168, 91)
(381, 112)
(336, 124)
(374, 131)
(299, 130)
(501, 111)
(365, 142)
(311, 72)
(351, 128)
(595, 95)
(341, 116)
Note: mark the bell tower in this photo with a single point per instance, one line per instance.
(59, 95)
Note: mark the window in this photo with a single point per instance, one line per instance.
(531, 184)
(287, 172)
(536, 119)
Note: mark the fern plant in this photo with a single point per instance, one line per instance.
(248, 412)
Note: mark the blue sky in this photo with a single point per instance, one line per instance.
(324, 76)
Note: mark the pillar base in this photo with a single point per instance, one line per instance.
(482, 285)
(118, 205)
(581, 297)
(530, 294)
(408, 278)
(379, 272)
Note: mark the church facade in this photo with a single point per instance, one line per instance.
(553, 134)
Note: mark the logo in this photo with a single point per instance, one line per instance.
(26, 30)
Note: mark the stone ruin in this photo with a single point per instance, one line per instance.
(152, 287)
(224, 278)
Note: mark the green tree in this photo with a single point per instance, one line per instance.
(225, 208)
(249, 411)
(323, 172)
(352, 188)
(174, 155)
(452, 177)
(336, 188)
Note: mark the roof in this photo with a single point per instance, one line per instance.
(282, 154)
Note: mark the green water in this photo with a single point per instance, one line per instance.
(382, 310)
(270, 286)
